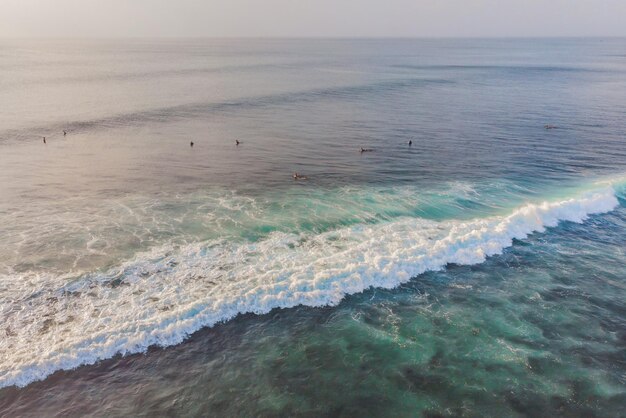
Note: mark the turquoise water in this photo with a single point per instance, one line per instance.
(479, 271)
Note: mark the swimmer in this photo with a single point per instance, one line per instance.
(410, 142)
(297, 176)
(44, 139)
(191, 144)
(365, 150)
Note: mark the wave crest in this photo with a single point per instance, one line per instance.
(161, 297)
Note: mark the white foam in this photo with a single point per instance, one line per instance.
(162, 296)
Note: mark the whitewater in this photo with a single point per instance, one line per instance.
(161, 296)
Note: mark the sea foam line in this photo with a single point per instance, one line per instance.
(161, 297)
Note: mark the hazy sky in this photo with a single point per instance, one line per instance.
(300, 18)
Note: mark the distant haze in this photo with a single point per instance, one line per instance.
(311, 18)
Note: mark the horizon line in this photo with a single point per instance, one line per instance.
(280, 37)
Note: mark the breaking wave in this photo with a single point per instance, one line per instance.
(162, 296)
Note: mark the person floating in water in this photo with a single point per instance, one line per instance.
(410, 142)
(64, 133)
(191, 144)
(297, 176)
(365, 150)
(237, 142)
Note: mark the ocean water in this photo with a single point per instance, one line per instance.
(480, 271)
